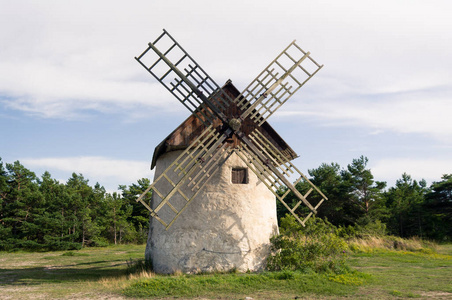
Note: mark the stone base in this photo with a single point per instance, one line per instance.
(226, 227)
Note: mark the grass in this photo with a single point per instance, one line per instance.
(406, 274)
(376, 243)
(101, 273)
(25, 275)
(268, 285)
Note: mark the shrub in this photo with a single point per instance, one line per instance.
(53, 243)
(138, 266)
(99, 242)
(375, 228)
(314, 248)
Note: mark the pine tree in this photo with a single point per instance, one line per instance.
(438, 206)
(139, 216)
(365, 193)
(337, 208)
(81, 197)
(22, 206)
(405, 202)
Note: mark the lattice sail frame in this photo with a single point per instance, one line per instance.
(286, 168)
(192, 82)
(195, 89)
(204, 155)
(268, 92)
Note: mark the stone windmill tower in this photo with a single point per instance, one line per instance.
(217, 175)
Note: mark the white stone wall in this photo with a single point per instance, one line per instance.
(227, 226)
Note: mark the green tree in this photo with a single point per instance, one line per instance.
(328, 179)
(118, 213)
(3, 182)
(81, 198)
(4, 230)
(41, 213)
(21, 205)
(405, 202)
(139, 216)
(438, 206)
(365, 193)
(56, 219)
(353, 195)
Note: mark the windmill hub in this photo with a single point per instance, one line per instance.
(235, 124)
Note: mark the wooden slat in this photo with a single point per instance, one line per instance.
(275, 183)
(256, 103)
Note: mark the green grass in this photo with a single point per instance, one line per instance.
(58, 274)
(102, 273)
(381, 274)
(406, 274)
(267, 285)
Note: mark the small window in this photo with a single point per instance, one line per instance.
(239, 176)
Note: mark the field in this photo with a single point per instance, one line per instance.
(102, 273)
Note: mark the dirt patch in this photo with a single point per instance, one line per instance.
(20, 292)
(372, 267)
(437, 295)
(100, 296)
(25, 263)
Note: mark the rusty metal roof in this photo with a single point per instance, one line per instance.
(190, 129)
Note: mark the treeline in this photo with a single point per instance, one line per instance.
(356, 201)
(44, 214)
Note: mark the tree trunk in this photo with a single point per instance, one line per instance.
(114, 222)
(83, 235)
(62, 222)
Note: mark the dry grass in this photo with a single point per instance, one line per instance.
(373, 243)
(123, 281)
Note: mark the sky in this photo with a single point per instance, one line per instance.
(73, 98)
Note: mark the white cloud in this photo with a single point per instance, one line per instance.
(430, 169)
(414, 111)
(108, 172)
(59, 59)
(49, 90)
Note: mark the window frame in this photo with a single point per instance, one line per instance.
(237, 177)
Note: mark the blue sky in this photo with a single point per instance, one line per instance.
(73, 99)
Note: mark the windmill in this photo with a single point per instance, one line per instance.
(207, 160)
